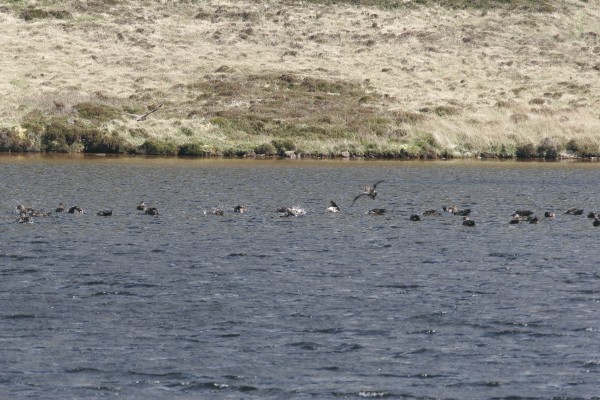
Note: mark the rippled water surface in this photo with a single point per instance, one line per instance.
(256, 306)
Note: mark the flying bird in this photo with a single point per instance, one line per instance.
(143, 116)
(367, 191)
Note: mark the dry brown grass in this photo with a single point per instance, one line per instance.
(238, 77)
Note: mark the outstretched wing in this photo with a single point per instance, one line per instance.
(357, 197)
(332, 204)
(376, 183)
(143, 117)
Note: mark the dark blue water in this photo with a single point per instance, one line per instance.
(256, 306)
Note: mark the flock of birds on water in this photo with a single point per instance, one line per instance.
(26, 214)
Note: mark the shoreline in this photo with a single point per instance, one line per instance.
(114, 156)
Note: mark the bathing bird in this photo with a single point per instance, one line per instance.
(24, 218)
(291, 211)
(76, 210)
(367, 191)
(333, 207)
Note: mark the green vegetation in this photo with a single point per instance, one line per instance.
(317, 78)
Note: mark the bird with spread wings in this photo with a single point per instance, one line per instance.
(368, 191)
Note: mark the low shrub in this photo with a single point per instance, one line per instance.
(526, 151)
(159, 147)
(267, 149)
(96, 111)
(195, 149)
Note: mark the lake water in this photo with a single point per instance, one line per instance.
(256, 306)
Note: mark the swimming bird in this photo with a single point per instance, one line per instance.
(549, 214)
(431, 213)
(596, 222)
(377, 211)
(39, 214)
(593, 215)
(457, 211)
(151, 211)
(217, 211)
(523, 213)
(104, 213)
(143, 116)
(333, 207)
(367, 191)
(533, 220)
(574, 211)
(60, 207)
(468, 222)
(240, 209)
(416, 217)
(22, 209)
(141, 206)
(76, 210)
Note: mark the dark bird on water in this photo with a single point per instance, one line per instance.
(377, 211)
(431, 213)
(151, 211)
(457, 211)
(523, 213)
(240, 209)
(141, 206)
(549, 214)
(104, 213)
(574, 211)
(468, 222)
(367, 191)
(416, 217)
(76, 210)
(60, 207)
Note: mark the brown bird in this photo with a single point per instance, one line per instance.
(143, 116)
(367, 191)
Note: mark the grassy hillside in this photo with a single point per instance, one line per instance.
(376, 78)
